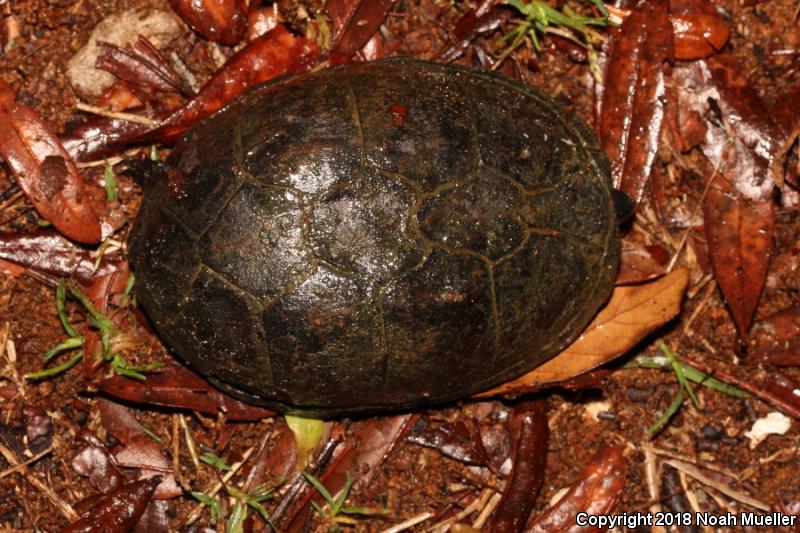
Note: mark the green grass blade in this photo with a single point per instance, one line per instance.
(55, 370)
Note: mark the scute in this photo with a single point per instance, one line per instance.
(377, 236)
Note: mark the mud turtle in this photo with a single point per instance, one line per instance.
(377, 236)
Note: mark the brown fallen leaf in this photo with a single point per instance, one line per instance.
(632, 312)
(221, 21)
(142, 64)
(632, 109)
(531, 435)
(354, 23)
(273, 54)
(776, 339)
(46, 172)
(698, 35)
(640, 263)
(740, 232)
(46, 251)
(177, 386)
(595, 492)
(118, 511)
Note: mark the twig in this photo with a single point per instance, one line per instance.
(189, 442)
(221, 483)
(63, 507)
(477, 503)
(487, 511)
(407, 524)
(20, 466)
(130, 117)
(695, 472)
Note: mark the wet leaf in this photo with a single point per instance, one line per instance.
(640, 263)
(221, 21)
(46, 173)
(460, 440)
(118, 511)
(740, 232)
(776, 339)
(469, 27)
(632, 109)
(176, 386)
(99, 137)
(530, 435)
(46, 251)
(632, 312)
(94, 462)
(784, 388)
(273, 54)
(139, 450)
(595, 492)
(698, 36)
(354, 23)
(141, 64)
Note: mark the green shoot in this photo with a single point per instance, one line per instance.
(213, 504)
(253, 499)
(56, 370)
(210, 458)
(541, 19)
(111, 183)
(334, 513)
(111, 338)
(127, 292)
(74, 341)
(153, 152)
(684, 374)
(307, 434)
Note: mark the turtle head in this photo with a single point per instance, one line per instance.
(623, 206)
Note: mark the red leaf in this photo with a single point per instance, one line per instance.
(46, 251)
(119, 511)
(530, 434)
(469, 27)
(640, 263)
(739, 232)
(221, 21)
(273, 54)
(354, 23)
(596, 492)
(698, 36)
(632, 107)
(176, 386)
(777, 338)
(93, 461)
(459, 440)
(99, 137)
(141, 65)
(46, 172)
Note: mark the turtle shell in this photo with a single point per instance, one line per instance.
(377, 236)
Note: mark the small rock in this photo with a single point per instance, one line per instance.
(122, 29)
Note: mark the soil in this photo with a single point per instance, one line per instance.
(415, 479)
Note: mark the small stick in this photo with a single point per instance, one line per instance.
(411, 522)
(696, 473)
(20, 466)
(130, 117)
(487, 511)
(64, 508)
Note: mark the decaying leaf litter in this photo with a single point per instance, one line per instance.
(701, 132)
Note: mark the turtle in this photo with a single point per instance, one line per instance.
(377, 236)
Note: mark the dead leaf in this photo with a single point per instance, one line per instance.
(530, 434)
(221, 21)
(595, 492)
(776, 339)
(639, 263)
(632, 312)
(177, 386)
(46, 251)
(698, 36)
(143, 65)
(118, 511)
(632, 108)
(740, 232)
(46, 173)
(354, 23)
(273, 54)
